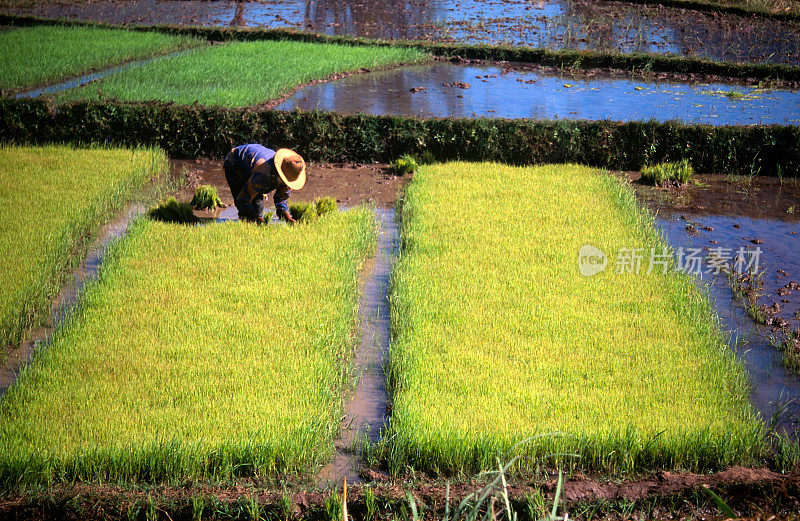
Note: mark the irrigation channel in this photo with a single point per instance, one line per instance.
(367, 409)
(517, 91)
(543, 23)
(67, 298)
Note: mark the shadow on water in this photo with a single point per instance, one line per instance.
(450, 90)
(541, 23)
(725, 216)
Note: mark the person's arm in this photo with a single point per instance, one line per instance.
(281, 205)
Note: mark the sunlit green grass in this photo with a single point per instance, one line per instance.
(499, 338)
(52, 201)
(240, 74)
(217, 350)
(39, 55)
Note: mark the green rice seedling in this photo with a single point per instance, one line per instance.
(303, 212)
(53, 206)
(38, 55)
(403, 165)
(172, 211)
(239, 74)
(498, 337)
(206, 198)
(663, 173)
(202, 352)
(325, 205)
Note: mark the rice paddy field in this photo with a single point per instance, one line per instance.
(53, 200)
(498, 338)
(202, 351)
(239, 74)
(38, 55)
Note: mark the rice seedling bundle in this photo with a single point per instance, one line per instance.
(499, 338)
(173, 212)
(206, 198)
(202, 351)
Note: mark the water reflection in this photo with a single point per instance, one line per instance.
(545, 23)
(449, 90)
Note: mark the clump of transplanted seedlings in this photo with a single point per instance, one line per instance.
(174, 212)
(303, 212)
(325, 205)
(661, 174)
(206, 198)
(405, 164)
(309, 212)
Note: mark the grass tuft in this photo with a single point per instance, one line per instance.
(303, 212)
(663, 173)
(325, 205)
(172, 211)
(206, 198)
(406, 164)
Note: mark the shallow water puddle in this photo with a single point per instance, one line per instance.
(542, 23)
(723, 218)
(450, 90)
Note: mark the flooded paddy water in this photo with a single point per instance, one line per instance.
(725, 215)
(556, 24)
(446, 89)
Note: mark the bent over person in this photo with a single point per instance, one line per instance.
(254, 170)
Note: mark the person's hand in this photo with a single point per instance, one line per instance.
(288, 218)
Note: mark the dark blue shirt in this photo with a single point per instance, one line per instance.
(262, 182)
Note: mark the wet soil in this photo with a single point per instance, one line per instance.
(508, 90)
(722, 216)
(612, 26)
(663, 495)
(349, 184)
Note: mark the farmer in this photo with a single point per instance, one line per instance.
(254, 170)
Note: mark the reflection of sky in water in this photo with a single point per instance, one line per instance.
(508, 96)
(548, 23)
(770, 381)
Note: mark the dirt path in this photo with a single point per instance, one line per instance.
(349, 184)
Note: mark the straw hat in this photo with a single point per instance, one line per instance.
(291, 168)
